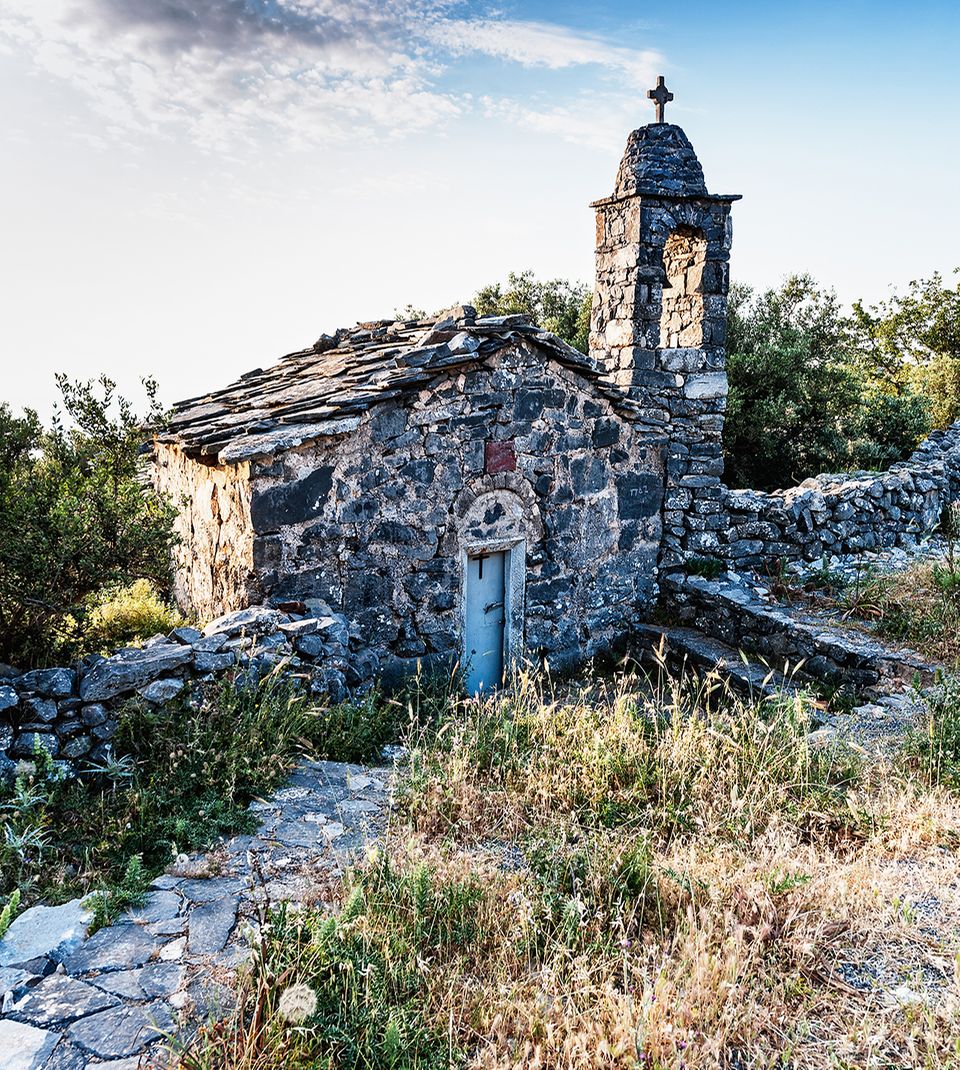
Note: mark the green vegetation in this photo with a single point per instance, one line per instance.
(614, 875)
(802, 398)
(182, 776)
(934, 747)
(75, 518)
(556, 305)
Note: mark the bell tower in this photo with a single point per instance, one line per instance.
(658, 322)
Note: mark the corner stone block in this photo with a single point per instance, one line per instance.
(708, 385)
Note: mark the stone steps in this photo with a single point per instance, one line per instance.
(825, 649)
(687, 647)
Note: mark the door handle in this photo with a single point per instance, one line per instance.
(492, 605)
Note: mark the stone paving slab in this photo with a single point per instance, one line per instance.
(100, 1002)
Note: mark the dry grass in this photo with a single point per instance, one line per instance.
(919, 606)
(620, 878)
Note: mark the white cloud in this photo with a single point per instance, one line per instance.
(541, 44)
(234, 73)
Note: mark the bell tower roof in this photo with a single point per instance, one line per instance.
(660, 160)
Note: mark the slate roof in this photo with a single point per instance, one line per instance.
(324, 390)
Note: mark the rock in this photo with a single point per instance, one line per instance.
(117, 947)
(27, 743)
(173, 951)
(59, 999)
(206, 891)
(53, 683)
(152, 981)
(67, 1056)
(52, 932)
(161, 978)
(75, 748)
(161, 691)
(210, 662)
(211, 925)
(186, 635)
(210, 644)
(158, 906)
(822, 737)
(257, 619)
(311, 646)
(40, 710)
(300, 627)
(131, 669)
(13, 978)
(9, 699)
(25, 1047)
(123, 1030)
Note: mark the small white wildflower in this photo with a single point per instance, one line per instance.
(297, 1003)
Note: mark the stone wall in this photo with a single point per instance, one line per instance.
(840, 514)
(214, 555)
(516, 453)
(72, 711)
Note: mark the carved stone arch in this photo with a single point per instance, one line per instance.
(504, 483)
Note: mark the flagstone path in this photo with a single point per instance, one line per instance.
(75, 1003)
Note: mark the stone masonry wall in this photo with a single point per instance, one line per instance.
(679, 390)
(376, 522)
(841, 514)
(213, 559)
(72, 711)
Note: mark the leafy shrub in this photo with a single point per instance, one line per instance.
(116, 616)
(801, 400)
(129, 891)
(707, 567)
(919, 606)
(366, 976)
(183, 775)
(9, 911)
(356, 731)
(74, 515)
(556, 305)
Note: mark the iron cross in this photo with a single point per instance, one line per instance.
(660, 96)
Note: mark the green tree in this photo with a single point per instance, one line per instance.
(76, 515)
(800, 403)
(912, 342)
(556, 305)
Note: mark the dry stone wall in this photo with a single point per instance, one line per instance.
(515, 453)
(72, 712)
(841, 514)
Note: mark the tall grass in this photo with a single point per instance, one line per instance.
(620, 875)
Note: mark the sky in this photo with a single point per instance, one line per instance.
(191, 188)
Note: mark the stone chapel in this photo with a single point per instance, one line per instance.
(474, 489)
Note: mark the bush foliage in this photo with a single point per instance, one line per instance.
(802, 399)
(75, 516)
(557, 305)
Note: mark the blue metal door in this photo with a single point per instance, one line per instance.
(485, 617)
